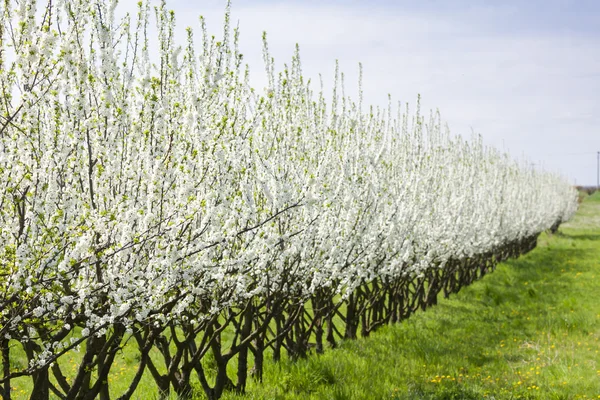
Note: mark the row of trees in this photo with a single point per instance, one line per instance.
(154, 197)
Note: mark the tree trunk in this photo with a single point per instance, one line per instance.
(242, 372)
(5, 393)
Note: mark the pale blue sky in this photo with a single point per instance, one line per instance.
(523, 74)
(509, 16)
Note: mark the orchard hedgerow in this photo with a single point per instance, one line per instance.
(165, 200)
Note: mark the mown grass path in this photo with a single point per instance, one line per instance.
(530, 330)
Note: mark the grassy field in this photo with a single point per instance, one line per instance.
(530, 330)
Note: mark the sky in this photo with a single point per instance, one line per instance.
(525, 75)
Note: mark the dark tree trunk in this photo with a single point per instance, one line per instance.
(5, 349)
(41, 387)
(242, 372)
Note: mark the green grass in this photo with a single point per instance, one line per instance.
(530, 330)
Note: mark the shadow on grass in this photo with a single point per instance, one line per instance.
(580, 236)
